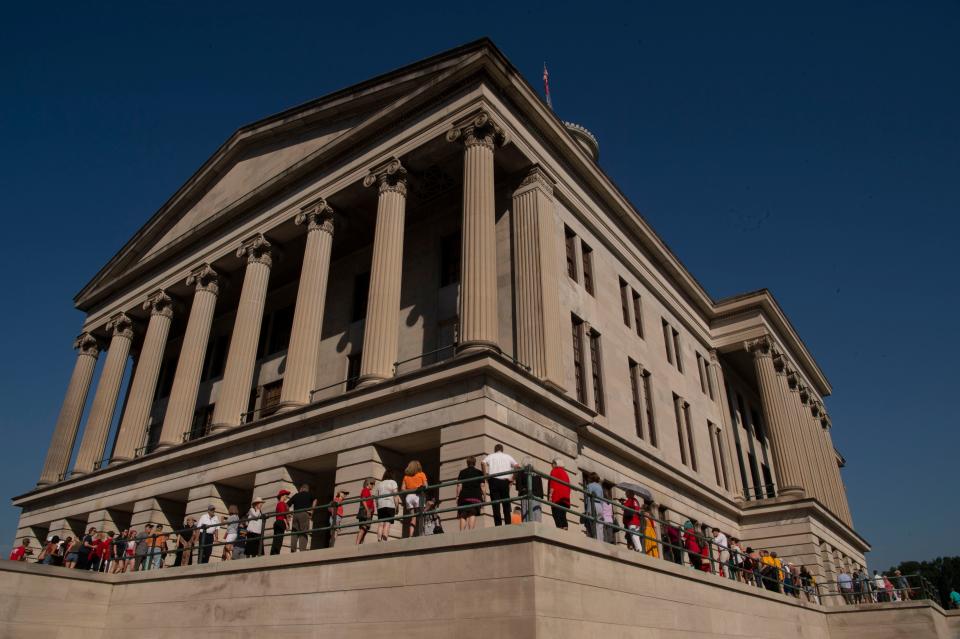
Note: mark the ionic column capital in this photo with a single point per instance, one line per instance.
(204, 278)
(318, 216)
(120, 325)
(391, 176)
(257, 250)
(159, 303)
(478, 130)
(87, 344)
(760, 347)
(536, 178)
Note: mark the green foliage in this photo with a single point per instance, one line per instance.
(942, 572)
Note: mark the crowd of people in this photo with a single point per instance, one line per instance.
(413, 503)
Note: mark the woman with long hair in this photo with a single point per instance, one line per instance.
(413, 479)
(388, 503)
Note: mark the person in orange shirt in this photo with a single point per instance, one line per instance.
(516, 517)
(413, 478)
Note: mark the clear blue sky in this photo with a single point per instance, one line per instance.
(810, 148)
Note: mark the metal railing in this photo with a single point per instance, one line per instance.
(761, 491)
(638, 529)
(865, 589)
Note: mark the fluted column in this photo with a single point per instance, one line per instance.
(143, 388)
(787, 380)
(821, 425)
(234, 393)
(68, 422)
(94, 442)
(782, 442)
(303, 352)
(186, 380)
(825, 491)
(478, 279)
(381, 328)
(537, 277)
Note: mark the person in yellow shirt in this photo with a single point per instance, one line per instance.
(778, 564)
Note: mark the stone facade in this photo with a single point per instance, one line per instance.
(290, 324)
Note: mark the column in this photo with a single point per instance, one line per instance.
(790, 480)
(68, 422)
(822, 423)
(816, 450)
(537, 278)
(828, 458)
(381, 329)
(105, 520)
(143, 388)
(94, 442)
(234, 395)
(787, 380)
(186, 381)
(300, 376)
(478, 276)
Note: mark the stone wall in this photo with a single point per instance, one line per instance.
(519, 581)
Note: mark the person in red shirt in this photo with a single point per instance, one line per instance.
(103, 551)
(631, 519)
(21, 552)
(366, 510)
(281, 522)
(559, 493)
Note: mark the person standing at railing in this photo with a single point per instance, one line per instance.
(845, 583)
(232, 532)
(631, 520)
(735, 564)
(21, 552)
(954, 598)
(559, 493)
(413, 479)
(593, 505)
(388, 503)
(209, 527)
(903, 585)
(185, 543)
(692, 545)
(142, 547)
(493, 464)
(365, 510)
(469, 494)
(650, 547)
(723, 552)
(281, 521)
(88, 541)
(335, 510)
(254, 529)
(606, 513)
(531, 508)
(158, 549)
(302, 506)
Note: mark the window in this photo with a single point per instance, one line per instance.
(637, 315)
(579, 380)
(166, 378)
(708, 368)
(270, 398)
(450, 259)
(353, 369)
(667, 343)
(716, 449)
(361, 288)
(281, 323)
(216, 358)
(596, 370)
(702, 369)
(768, 481)
(676, 349)
(635, 395)
(718, 433)
(624, 302)
(648, 406)
(681, 437)
(200, 426)
(758, 427)
(690, 441)
(571, 241)
(587, 267)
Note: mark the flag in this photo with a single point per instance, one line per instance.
(546, 85)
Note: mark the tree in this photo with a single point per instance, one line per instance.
(942, 572)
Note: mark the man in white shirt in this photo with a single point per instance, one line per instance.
(208, 524)
(499, 462)
(723, 554)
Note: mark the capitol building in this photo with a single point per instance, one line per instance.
(423, 266)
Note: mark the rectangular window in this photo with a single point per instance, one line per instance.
(571, 242)
(216, 358)
(450, 259)
(637, 315)
(709, 369)
(597, 372)
(281, 324)
(635, 393)
(578, 372)
(353, 369)
(624, 302)
(723, 459)
(768, 482)
(270, 398)
(691, 447)
(200, 426)
(702, 370)
(587, 267)
(681, 436)
(361, 290)
(648, 407)
(758, 427)
(676, 349)
(712, 432)
(667, 344)
(166, 378)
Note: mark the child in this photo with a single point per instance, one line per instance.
(515, 516)
(336, 514)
